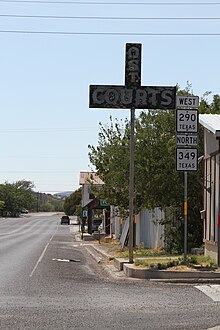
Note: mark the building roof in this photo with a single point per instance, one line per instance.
(211, 122)
(90, 178)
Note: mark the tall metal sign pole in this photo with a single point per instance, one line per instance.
(132, 80)
(186, 138)
(185, 207)
(131, 188)
(218, 238)
(132, 96)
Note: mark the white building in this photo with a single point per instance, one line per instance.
(211, 212)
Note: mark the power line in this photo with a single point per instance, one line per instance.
(108, 18)
(40, 157)
(46, 130)
(52, 183)
(46, 191)
(114, 3)
(52, 172)
(150, 34)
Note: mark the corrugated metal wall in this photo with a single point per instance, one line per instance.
(149, 232)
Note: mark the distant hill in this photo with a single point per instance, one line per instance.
(63, 194)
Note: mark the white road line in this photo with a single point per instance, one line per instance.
(42, 254)
(212, 291)
(39, 260)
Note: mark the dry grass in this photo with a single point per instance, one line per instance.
(157, 258)
(114, 248)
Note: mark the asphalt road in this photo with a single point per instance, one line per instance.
(41, 290)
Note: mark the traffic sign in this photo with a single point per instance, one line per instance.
(185, 140)
(186, 121)
(104, 203)
(85, 213)
(183, 102)
(186, 159)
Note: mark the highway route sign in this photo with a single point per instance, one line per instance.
(186, 121)
(186, 159)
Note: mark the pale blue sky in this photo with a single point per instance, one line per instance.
(46, 124)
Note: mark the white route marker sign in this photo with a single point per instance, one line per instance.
(186, 159)
(184, 102)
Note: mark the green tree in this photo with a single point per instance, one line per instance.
(2, 205)
(46, 203)
(72, 204)
(46, 207)
(111, 160)
(16, 196)
(57, 205)
(24, 194)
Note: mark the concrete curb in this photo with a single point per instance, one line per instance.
(103, 253)
(92, 251)
(132, 271)
(119, 263)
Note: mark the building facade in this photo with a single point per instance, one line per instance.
(211, 212)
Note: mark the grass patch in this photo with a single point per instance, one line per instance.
(139, 252)
(196, 262)
(158, 263)
(201, 261)
(158, 258)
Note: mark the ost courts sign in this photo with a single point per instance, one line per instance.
(132, 94)
(142, 97)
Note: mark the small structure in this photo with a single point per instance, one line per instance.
(87, 180)
(89, 201)
(211, 212)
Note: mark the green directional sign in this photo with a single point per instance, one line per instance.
(104, 203)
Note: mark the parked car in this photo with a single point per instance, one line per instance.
(95, 224)
(65, 219)
(101, 228)
(24, 211)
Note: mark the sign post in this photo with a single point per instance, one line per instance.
(132, 96)
(132, 80)
(131, 189)
(185, 207)
(186, 156)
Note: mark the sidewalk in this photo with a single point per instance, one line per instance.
(99, 252)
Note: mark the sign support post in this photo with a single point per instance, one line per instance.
(185, 216)
(218, 238)
(131, 188)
